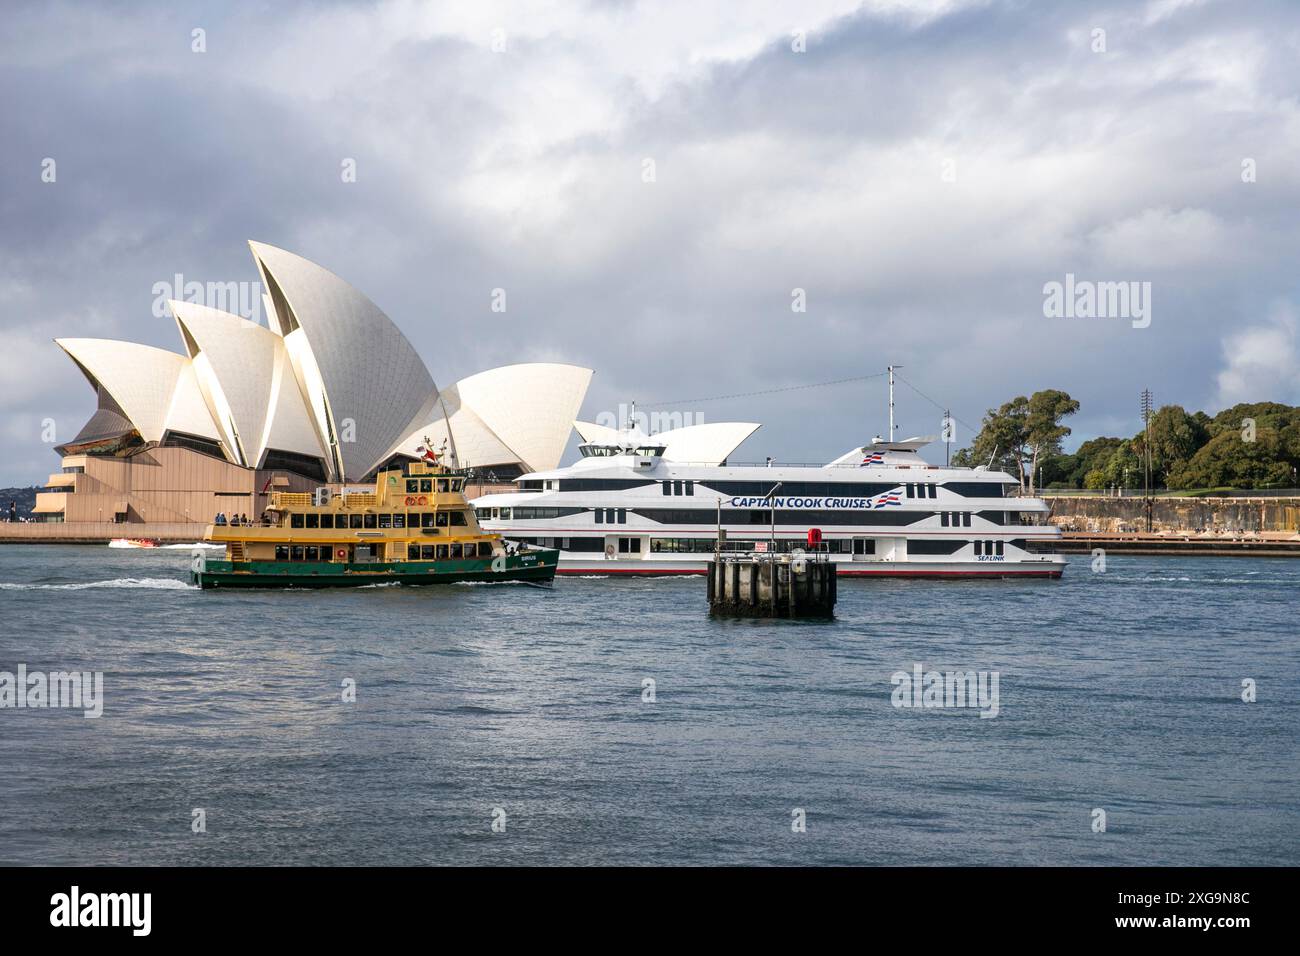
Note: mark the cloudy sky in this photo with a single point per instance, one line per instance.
(920, 170)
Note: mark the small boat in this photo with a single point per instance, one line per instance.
(416, 527)
(133, 543)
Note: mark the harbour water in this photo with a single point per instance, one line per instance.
(1119, 691)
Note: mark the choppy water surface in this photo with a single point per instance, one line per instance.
(1119, 691)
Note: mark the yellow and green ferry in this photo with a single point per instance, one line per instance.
(416, 527)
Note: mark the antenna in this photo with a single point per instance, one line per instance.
(890, 369)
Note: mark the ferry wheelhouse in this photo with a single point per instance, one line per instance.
(880, 510)
(415, 526)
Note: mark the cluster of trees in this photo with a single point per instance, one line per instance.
(1255, 445)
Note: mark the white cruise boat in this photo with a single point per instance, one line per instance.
(880, 510)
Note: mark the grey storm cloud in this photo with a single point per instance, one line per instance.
(920, 171)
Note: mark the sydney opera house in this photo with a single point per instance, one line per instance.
(329, 393)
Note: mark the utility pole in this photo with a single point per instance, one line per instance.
(1147, 405)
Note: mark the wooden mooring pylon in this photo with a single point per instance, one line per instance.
(757, 584)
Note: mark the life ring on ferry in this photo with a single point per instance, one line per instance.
(423, 500)
(609, 550)
(409, 501)
(341, 553)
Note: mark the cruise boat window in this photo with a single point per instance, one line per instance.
(965, 519)
(629, 545)
(690, 488)
(998, 546)
(668, 487)
(943, 519)
(354, 521)
(313, 520)
(505, 514)
(933, 490)
(979, 548)
(295, 521)
(600, 512)
(622, 516)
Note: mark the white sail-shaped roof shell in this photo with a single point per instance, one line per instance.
(374, 387)
(251, 376)
(156, 389)
(551, 394)
(708, 444)
(516, 414)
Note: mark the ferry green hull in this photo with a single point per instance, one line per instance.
(532, 566)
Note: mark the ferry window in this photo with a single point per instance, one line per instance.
(622, 516)
(442, 486)
(295, 553)
(458, 519)
(295, 521)
(311, 553)
(668, 487)
(313, 521)
(412, 486)
(440, 519)
(427, 552)
(282, 552)
(399, 521)
(485, 549)
(600, 512)
(998, 546)
(426, 520)
(690, 488)
(455, 551)
(505, 514)
(385, 521)
(413, 552)
(327, 521)
(442, 552)
(943, 519)
(426, 485)
(369, 520)
(354, 521)
(979, 548)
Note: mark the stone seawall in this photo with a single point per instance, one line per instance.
(1183, 515)
(98, 532)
